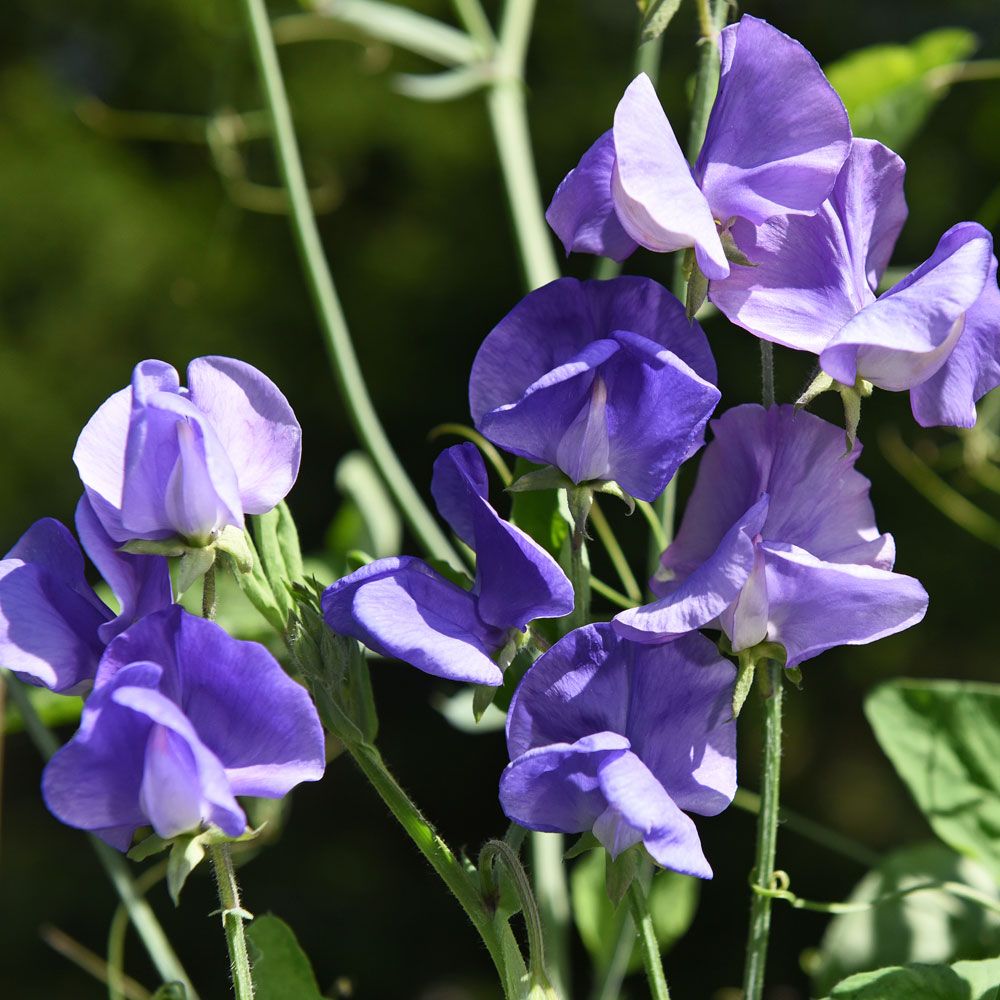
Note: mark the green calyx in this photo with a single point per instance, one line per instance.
(748, 661)
(851, 396)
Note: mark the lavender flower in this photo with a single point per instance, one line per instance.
(935, 333)
(160, 460)
(777, 137)
(402, 608)
(183, 718)
(606, 380)
(53, 627)
(623, 739)
(778, 543)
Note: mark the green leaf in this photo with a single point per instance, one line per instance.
(744, 682)
(192, 566)
(657, 17)
(287, 535)
(545, 477)
(280, 968)
(889, 90)
(619, 873)
(943, 737)
(542, 514)
(170, 991)
(367, 519)
(234, 542)
(931, 926)
(672, 901)
(185, 855)
(585, 842)
(961, 981)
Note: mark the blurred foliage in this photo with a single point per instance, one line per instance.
(129, 235)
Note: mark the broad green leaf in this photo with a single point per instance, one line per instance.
(961, 981)
(543, 514)
(657, 16)
(672, 901)
(280, 968)
(943, 737)
(889, 90)
(932, 926)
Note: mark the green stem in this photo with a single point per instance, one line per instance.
(767, 373)
(167, 964)
(615, 554)
(475, 21)
(232, 920)
(509, 120)
(344, 362)
(118, 927)
(208, 594)
(767, 835)
(647, 939)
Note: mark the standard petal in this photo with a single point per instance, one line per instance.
(402, 609)
(812, 274)
(459, 485)
(906, 336)
(255, 425)
(948, 398)
(582, 212)
(657, 201)
(557, 788)
(694, 600)
(815, 605)
(141, 583)
(778, 133)
(246, 711)
(99, 457)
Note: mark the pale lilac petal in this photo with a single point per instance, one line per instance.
(657, 201)
(557, 788)
(696, 599)
(141, 583)
(815, 605)
(640, 809)
(582, 212)
(948, 398)
(778, 133)
(401, 608)
(244, 709)
(254, 424)
(812, 274)
(746, 621)
(906, 336)
(99, 457)
(170, 794)
(459, 485)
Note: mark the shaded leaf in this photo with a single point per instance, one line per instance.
(280, 968)
(961, 981)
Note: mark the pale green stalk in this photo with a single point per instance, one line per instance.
(649, 946)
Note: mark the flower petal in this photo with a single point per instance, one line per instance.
(459, 485)
(254, 424)
(402, 609)
(657, 201)
(778, 133)
(582, 212)
(99, 457)
(815, 605)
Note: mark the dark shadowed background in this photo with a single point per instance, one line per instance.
(117, 246)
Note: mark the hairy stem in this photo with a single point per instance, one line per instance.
(767, 835)
(343, 360)
(647, 939)
(232, 920)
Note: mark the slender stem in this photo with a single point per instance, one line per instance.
(610, 984)
(208, 594)
(615, 553)
(232, 920)
(552, 893)
(119, 926)
(475, 21)
(609, 593)
(143, 918)
(647, 938)
(508, 117)
(344, 362)
(90, 962)
(767, 373)
(767, 835)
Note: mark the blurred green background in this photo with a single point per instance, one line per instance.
(117, 245)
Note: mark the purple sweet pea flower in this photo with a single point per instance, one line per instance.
(777, 137)
(53, 627)
(158, 459)
(401, 608)
(183, 718)
(605, 380)
(778, 543)
(623, 739)
(936, 333)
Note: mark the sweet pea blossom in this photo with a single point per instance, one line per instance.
(777, 137)
(182, 719)
(936, 333)
(402, 608)
(778, 543)
(605, 380)
(159, 459)
(623, 739)
(53, 627)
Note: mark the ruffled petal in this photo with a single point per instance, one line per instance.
(905, 337)
(778, 133)
(657, 201)
(254, 424)
(402, 609)
(582, 212)
(459, 485)
(815, 605)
